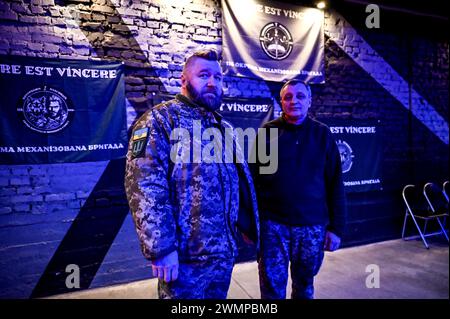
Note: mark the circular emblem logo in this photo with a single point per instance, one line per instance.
(45, 110)
(346, 155)
(276, 41)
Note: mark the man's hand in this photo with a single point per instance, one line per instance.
(332, 241)
(166, 267)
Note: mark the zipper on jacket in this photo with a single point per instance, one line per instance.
(227, 211)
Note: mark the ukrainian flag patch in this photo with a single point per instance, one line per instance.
(140, 133)
(139, 139)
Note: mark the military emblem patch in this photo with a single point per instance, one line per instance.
(139, 139)
(347, 156)
(45, 110)
(276, 41)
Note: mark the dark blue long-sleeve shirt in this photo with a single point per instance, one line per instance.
(307, 188)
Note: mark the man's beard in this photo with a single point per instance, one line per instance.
(212, 103)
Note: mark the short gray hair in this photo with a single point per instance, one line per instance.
(294, 82)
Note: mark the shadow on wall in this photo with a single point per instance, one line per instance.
(94, 229)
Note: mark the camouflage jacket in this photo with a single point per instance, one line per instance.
(193, 206)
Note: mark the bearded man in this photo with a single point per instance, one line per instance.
(187, 213)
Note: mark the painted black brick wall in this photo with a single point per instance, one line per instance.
(40, 203)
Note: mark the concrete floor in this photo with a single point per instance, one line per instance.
(406, 271)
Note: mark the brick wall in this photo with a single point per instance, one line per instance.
(46, 208)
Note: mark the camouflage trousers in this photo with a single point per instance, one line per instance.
(206, 279)
(302, 246)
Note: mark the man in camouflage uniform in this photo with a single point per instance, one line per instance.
(302, 205)
(188, 212)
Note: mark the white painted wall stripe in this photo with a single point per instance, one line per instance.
(345, 36)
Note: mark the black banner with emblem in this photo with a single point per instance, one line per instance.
(242, 113)
(359, 143)
(247, 113)
(273, 41)
(57, 111)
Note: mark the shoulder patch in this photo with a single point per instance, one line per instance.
(139, 142)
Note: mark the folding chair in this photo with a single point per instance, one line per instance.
(438, 203)
(418, 209)
(446, 190)
(436, 199)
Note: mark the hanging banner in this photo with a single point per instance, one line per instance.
(273, 41)
(359, 143)
(247, 113)
(59, 111)
(241, 114)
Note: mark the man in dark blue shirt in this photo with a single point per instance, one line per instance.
(302, 205)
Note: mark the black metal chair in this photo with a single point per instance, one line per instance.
(438, 203)
(417, 209)
(436, 199)
(446, 190)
